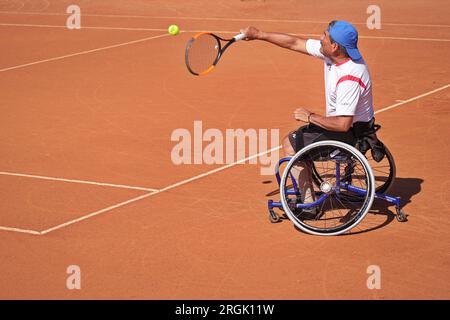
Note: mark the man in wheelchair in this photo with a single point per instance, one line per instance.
(348, 92)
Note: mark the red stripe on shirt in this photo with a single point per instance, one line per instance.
(351, 78)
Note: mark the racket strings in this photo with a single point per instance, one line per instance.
(202, 53)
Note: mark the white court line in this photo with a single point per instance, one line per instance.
(220, 19)
(83, 52)
(83, 27)
(413, 98)
(34, 232)
(75, 181)
(96, 213)
(404, 38)
(202, 175)
(213, 31)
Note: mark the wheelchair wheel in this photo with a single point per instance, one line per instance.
(339, 204)
(383, 171)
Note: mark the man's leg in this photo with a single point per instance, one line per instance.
(305, 183)
(301, 170)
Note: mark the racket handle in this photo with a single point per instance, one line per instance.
(239, 37)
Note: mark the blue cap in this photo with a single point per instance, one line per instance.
(345, 34)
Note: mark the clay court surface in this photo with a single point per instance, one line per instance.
(86, 176)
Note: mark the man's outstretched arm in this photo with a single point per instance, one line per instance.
(283, 40)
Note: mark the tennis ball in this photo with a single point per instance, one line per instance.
(173, 29)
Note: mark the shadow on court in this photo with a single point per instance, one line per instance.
(405, 188)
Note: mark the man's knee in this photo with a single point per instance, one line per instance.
(287, 146)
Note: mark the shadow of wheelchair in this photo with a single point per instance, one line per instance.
(382, 213)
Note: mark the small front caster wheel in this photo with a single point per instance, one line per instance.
(273, 217)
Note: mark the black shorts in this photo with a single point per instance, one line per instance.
(310, 133)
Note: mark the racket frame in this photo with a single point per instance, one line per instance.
(219, 54)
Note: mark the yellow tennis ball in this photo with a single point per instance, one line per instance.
(173, 29)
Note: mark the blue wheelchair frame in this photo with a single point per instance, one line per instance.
(323, 196)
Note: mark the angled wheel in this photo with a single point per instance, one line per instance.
(340, 202)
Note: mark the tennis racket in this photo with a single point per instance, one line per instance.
(204, 50)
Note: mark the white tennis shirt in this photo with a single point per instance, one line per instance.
(348, 88)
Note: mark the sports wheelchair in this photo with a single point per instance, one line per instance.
(344, 183)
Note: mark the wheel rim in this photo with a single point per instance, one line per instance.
(337, 214)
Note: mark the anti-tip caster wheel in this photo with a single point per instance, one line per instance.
(401, 216)
(273, 217)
